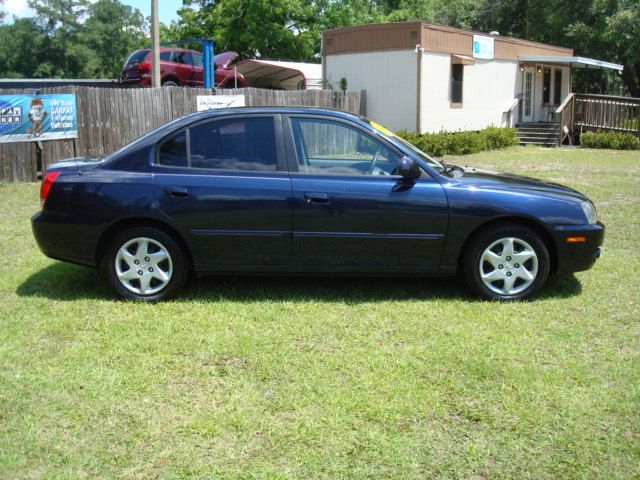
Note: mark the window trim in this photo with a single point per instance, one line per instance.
(293, 161)
(281, 162)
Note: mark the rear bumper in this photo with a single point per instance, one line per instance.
(579, 256)
(61, 240)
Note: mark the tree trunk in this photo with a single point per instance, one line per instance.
(632, 81)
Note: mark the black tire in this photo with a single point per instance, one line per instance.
(174, 265)
(497, 237)
(170, 83)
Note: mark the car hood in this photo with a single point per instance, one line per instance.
(223, 59)
(478, 178)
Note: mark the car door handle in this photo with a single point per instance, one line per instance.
(313, 197)
(173, 191)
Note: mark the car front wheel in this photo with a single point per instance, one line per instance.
(506, 262)
(145, 264)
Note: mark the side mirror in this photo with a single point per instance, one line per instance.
(409, 169)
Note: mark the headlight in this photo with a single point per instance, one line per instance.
(589, 212)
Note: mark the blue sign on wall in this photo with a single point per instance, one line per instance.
(28, 118)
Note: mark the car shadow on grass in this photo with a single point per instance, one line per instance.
(66, 282)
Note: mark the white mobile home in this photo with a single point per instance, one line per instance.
(427, 78)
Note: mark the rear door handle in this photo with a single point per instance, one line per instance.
(174, 191)
(314, 197)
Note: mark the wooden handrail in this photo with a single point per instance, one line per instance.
(608, 97)
(513, 105)
(564, 104)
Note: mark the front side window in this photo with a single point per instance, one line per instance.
(227, 144)
(328, 147)
(457, 72)
(197, 60)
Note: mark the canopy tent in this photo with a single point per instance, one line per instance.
(282, 75)
(574, 62)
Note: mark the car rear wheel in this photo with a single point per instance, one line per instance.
(146, 264)
(506, 262)
(170, 83)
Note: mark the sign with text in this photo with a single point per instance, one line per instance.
(28, 118)
(483, 47)
(210, 102)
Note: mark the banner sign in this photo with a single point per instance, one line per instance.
(209, 102)
(28, 118)
(483, 47)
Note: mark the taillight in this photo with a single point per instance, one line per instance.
(144, 67)
(45, 188)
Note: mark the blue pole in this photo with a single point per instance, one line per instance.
(208, 65)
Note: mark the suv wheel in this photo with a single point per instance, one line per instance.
(146, 264)
(506, 262)
(170, 83)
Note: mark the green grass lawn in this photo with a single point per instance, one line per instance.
(328, 378)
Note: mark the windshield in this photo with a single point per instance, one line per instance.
(437, 166)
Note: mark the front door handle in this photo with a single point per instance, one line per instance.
(174, 191)
(314, 197)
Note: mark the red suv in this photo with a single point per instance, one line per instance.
(179, 67)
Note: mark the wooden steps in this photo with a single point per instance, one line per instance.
(545, 134)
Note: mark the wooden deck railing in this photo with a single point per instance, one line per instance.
(581, 112)
(604, 112)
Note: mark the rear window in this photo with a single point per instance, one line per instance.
(137, 57)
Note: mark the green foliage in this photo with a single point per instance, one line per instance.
(461, 143)
(71, 39)
(21, 44)
(611, 140)
(343, 84)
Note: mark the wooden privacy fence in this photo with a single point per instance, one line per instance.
(109, 118)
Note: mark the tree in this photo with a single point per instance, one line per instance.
(21, 46)
(612, 32)
(604, 29)
(61, 22)
(456, 13)
(111, 32)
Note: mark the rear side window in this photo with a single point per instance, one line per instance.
(246, 144)
(197, 60)
(165, 56)
(182, 58)
(173, 152)
(137, 57)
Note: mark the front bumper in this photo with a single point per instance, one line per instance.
(577, 256)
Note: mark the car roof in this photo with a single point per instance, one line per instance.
(169, 49)
(332, 112)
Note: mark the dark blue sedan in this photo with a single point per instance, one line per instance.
(305, 191)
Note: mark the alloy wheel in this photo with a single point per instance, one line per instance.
(143, 266)
(508, 266)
